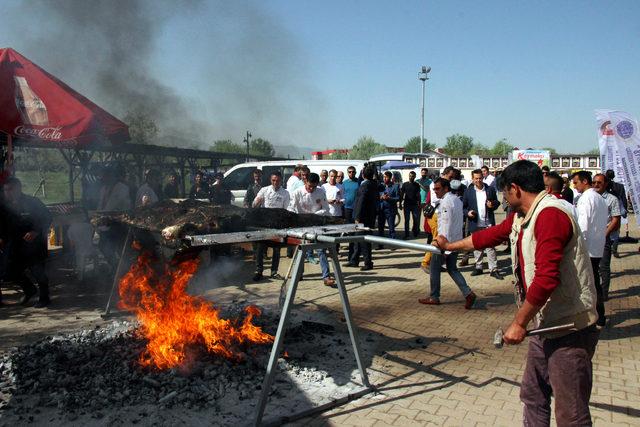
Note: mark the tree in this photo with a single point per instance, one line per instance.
(593, 151)
(261, 147)
(501, 148)
(413, 145)
(458, 145)
(339, 155)
(142, 128)
(551, 150)
(365, 148)
(226, 146)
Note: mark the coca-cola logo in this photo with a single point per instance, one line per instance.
(52, 133)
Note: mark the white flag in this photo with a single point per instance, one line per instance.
(627, 143)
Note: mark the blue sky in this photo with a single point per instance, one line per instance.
(332, 71)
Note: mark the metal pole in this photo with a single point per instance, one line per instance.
(116, 277)
(279, 339)
(346, 308)
(422, 121)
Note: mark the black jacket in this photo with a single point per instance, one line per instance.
(470, 203)
(410, 194)
(366, 204)
(29, 215)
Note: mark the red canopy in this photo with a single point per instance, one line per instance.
(36, 105)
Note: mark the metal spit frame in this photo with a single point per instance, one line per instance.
(310, 238)
(306, 238)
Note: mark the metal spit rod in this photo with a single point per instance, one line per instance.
(313, 237)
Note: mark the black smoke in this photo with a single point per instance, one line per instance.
(249, 70)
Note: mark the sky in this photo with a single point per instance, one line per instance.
(323, 74)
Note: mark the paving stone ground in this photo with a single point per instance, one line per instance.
(431, 365)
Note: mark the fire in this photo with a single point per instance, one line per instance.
(172, 320)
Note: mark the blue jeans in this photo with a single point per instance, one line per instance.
(452, 269)
(324, 262)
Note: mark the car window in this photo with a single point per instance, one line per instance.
(287, 171)
(239, 179)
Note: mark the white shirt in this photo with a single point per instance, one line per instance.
(489, 180)
(450, 217)
(269, 197)
(434, 198)
(304, 202)
(334, 192)
(291, 183)
(593, 216)
(481, 198)
(146, 190)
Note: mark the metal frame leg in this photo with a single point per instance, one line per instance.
(298, 260)
(346, 307)
(116, 277)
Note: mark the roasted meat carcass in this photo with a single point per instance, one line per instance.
(174, 220)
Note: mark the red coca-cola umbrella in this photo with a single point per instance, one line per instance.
(34, 105)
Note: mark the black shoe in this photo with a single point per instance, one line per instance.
(349, 264)
(496, 275)
(276, 276)
(366, 267)
(42, 302)
(27, 296)
(476, 272)
(380, 247)
(257, 277)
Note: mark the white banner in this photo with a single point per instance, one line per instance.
(609, 156)
(626, 142)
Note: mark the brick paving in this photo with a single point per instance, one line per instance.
(436, 365)
(432, 365)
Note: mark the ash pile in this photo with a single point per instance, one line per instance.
(93, 376)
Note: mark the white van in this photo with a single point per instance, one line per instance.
(239, 177)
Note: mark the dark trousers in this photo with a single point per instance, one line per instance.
(412, 212)
(605, 268)
(348, 216)
(595, 264)
(111, 242)
(261, 250)
(37, 271)
(560, 367)
(364, 249)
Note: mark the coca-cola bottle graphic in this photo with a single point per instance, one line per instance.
(31, 107)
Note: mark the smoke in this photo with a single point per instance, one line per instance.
(227, 67)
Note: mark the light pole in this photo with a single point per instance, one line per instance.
(246, 141)
(422, 76)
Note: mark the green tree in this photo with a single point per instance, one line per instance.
(593, 151)
(480, 149)
(142, 128)
(261, 147)
(551, 150)
(413, 145)
(501, 148)
(365, 148)
(458, 145)
(227, 146)
(338, 155)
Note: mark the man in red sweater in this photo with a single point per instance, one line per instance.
(555, 286)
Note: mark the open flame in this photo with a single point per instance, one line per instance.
(172, 320)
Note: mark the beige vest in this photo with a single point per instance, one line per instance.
(574, 300)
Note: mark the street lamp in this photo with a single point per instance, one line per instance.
(422, 76)
(246, 140)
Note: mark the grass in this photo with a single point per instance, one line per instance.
(56, 186)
